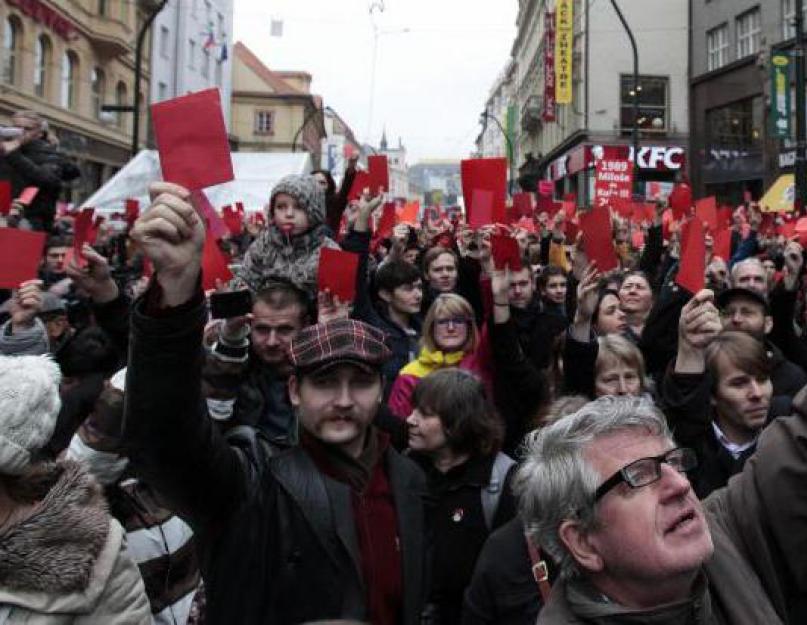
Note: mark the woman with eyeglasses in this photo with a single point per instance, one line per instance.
(449, 339)
(455, 436)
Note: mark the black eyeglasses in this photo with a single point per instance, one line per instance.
(645, 471)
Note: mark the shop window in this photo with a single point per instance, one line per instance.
(12, 41)
(120, 100)
(98, 84)
(653, 104)
(717, 47)
(70, 68)
(42, 59)
(736, 128)
(749, 32)
(264, 122)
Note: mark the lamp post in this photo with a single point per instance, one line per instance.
(636, 90)
(307, 119)
(483, 119)
(800, 166)
(155, 8)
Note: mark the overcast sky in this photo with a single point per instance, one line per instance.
(431, 82)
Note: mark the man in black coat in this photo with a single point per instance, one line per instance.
(330, 529)
(30, 160)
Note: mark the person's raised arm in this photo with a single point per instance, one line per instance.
(166, 432)
(587, 297)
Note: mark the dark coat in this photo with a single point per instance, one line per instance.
(277, 539)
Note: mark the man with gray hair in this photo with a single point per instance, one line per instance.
(604, 493)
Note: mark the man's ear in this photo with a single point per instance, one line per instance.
(768, 324)
(294, 391)
(579, 544)
(385, 295)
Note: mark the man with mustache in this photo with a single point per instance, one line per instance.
(332, 528)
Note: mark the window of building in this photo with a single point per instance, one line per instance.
(120, 100)
(264, 122)
(165, 41)
(653, 103)
(12, 36)
(123, 8)
(69, 92)
(192, 54)
(788, 15)
(748, 33)
(206, 63)
(42, 56)
(162, 91)
(717, 47)
(98, 80)
(736, 127)
(102, 7)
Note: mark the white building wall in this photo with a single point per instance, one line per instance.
(179, 63)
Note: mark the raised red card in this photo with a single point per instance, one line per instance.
(409, 214)
(232, 219)
(387, 221)
(215, 224)
(598, 243)
(5, 197)
(360, 182)
(337, 273)
(706, 210)
(214, 264)
(505, 252)
(724, 217)
(480, 209)
(192, 140)
(721, 244)
(486, 174)
(378, 169)
(20, 255)
(82, 232)
(132, 211)
(546, 187)
(28, 195)
(801, 230)
(680, 200)
(693, 256)
(522, 205)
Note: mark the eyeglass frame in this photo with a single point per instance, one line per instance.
(622, 475)
(457, 321)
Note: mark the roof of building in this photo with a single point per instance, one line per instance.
(273, 79)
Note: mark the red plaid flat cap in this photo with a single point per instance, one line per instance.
(343, 340)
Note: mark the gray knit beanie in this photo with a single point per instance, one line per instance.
(29, 405)
(306, 190)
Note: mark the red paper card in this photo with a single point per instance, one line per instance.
(5, 197)
(569, 208)
(28, 195)
(360, 182)
(215, 224)
(505, 252)
(522, 205)
(721, 244)
(597, 241)
(192, 139)
(378, 169)
(801, 230)
(480, 210)
(487, 174)
(20, 255)
(546, 187)
(693, 256)
(232, 220)
(82, 230)
(214, 264)
(680, 200)
(706, 210)
(409, 214)
(132, 211)
(337, 273)
(387, 221)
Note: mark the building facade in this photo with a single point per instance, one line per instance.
(191, 50)
(734, 147)
(556, 141)
(398, 169)
(65, 59)
(339, 144)
(274, 111)
(436, 182)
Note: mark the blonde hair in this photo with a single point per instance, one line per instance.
(450, 304)
(615, 349)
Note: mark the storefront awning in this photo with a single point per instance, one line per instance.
(779, 198)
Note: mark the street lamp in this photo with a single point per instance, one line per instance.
(483, 119)
(307, 119)
(636, 91)
(153, 7)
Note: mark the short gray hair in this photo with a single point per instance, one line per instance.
(753, 260)
(555, 482)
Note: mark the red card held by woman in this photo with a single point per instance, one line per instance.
(693, 256)
(337, 273)
(598, 242)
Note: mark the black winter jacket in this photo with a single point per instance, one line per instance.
(276, 538)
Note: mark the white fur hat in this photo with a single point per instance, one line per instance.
(29, 405)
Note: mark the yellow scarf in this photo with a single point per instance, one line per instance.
(428, 361)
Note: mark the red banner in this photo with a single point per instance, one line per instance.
(613, 184)
(548, 113)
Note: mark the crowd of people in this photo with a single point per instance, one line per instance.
(463, 443)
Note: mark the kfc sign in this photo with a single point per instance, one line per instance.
(659, 158)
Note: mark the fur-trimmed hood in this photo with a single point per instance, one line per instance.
(66, 562)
